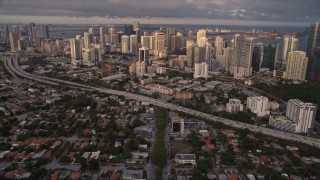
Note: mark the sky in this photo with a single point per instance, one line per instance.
(225, 12)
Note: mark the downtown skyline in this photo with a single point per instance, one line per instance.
(222, 12)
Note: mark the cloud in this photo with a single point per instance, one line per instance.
(267, 10)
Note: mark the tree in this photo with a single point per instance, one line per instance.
(194, 139)
(94, 164)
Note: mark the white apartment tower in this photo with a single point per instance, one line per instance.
(234, 106)
(159, 42)
(241, 56)
(289, 44)
(125, 44)
(219, 45)
(201, 35)
(258, 105)
(200, 70)
(302, 114)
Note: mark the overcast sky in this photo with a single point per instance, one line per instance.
(247, 12)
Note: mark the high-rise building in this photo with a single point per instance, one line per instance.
(97, 52)
(76, 48)
(190, 54)
(176, 43)
(91, 31)
(313, 52)
(88, 56)
(111, 35)
(209, 56)
(128, 30)
(257, 56)
(200, 70)
(302, 114)
(138, 34)
(159, 42)
(270, 56)
(125, 44)
(241, 56)
(152, 42)
(258, 105)
(170, 31)
(87, 40)
(201, 35)
(297, 64)
(133, 44)
(32, 30)
(223, 61)
(190, 36)
(42, 31)
(102, 40)
(115, 39)
(14, 41)
(289, 44)
(219, 45)
(7, 31)
(203, 42)
(145, 41)
(143, 54)
(199, 54)
(136, 25)
(234, 106)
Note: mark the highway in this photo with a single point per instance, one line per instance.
(14, 67)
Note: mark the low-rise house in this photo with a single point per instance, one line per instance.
(185, 159)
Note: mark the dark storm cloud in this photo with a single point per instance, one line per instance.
(271, 10)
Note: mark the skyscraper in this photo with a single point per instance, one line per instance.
(289, 44)
(313, 52)
(257, 56)
(199, 54)
(146, 41)
(32, 32)
(302, 114)
(76, 48)
(209, 56)
(125, 44)
(270, 55)
(102, 40)
(219, 45)
(170, 31)
(91, 31)
(296, 68)
(42, 31)
(241, 56)
(111, 33)
(176, 43)
(136, 25)
(133, 44)
(88, 56)
(190, 53)
(143, 54)
(200, 34)
(87, 40)
(190, 35)
(14, 41)
(128, 30)
(159, 42)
